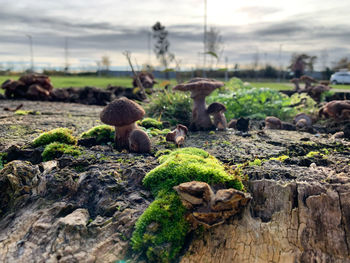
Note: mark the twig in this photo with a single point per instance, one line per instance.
(127, 54)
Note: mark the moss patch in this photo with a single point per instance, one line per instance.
(56, 149)
(185, 165)
(102, 133)
(151, 123)
(62, 135)
(161, 230)
(26, 112)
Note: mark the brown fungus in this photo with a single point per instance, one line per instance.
(217, 110)
(200, 88)
(139, 142)
(122, 113)
(178, 135)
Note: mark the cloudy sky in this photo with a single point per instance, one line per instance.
(271, 30)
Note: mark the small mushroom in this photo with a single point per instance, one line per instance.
(139, 142)
(302, 121)
(337, 109)
(308, 81)
(217, 110)
(123, 114)
(295, 81)
(36, 92)
(232, 124)
(272, 122)
(178, 135)
(200, 88)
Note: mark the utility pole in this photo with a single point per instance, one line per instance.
(66, 66)
(280, 63)
(31, 52)
(205, 38)
(226, 71)
(149, 48)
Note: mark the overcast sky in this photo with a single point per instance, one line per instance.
(108, 27)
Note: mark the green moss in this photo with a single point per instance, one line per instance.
(26, 112)
(161, 230)
(212, 133)
(62, 135)
(185, 165)
(256, 162)
(151, 123)
(281, 158)
(314, 154)
(55, 150)
(102, 133)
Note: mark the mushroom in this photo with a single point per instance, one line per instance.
(315, 92)
(178, 135)
(36, 92)
(122, 113)
(337, 109)
(139, 142)
(302, 121)
(308, 80)
(272, 122)
(232, 124)
(200, 88)
(217, 110)
(295, 81)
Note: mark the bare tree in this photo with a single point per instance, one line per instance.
(302, 62)
(161, 47)
(343, 63)
(105, 62)
(214, 44)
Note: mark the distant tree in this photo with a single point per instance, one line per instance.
(214, 44)
(161, 47)
(343, 63)
(105, 62)
(302, 62)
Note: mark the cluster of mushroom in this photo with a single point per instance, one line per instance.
(314, 91)
(123, 114)
(200, 88)
(301, 122)
(336, 109)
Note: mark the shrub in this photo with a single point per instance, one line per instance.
(63, 135)
(172, 107)
(56, 149)
(102, 133)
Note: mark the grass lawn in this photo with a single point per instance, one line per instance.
(103, 82)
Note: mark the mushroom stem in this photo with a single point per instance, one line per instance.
(122, 134)
(200, 117)
(180, 137)
(220, 121)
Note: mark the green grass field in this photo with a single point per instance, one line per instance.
(103, 82)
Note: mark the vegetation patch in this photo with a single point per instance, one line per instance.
(26, 112)
(172, 107)
(161, 230)
(150, 123)
(56, 150)
(244, 100)
(62, 135)
(102, 134)
(281, 158)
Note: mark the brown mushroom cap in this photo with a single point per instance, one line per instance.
(121, 112)
(216, 107)
(294, 80)
(199, 86)
(182, 127)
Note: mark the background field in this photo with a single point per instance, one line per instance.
(103, 82)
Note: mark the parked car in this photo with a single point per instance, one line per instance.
(340, 78)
